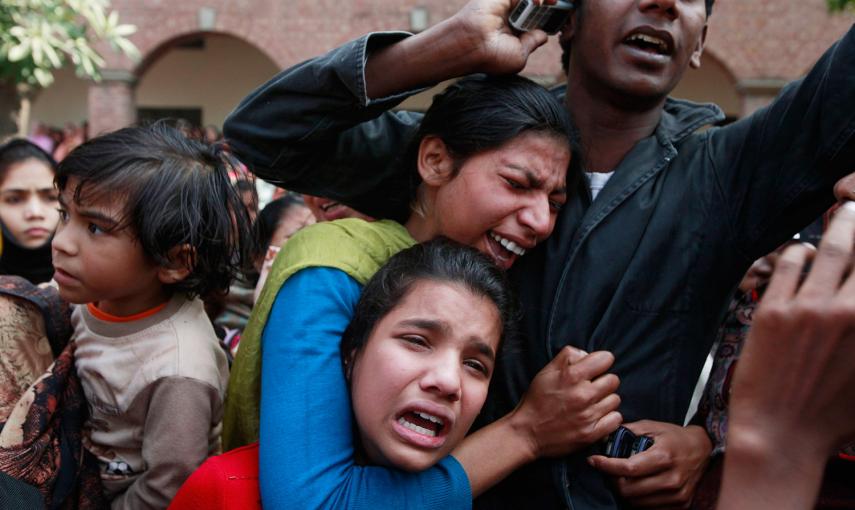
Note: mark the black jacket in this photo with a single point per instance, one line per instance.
(644, 272)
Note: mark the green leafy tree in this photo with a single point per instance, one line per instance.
(38, 37)
(839, 5)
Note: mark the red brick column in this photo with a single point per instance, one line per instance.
(112, 103)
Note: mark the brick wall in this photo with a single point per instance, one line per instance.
(770, 41)
(754, 38)
(111, 105)
(773, 39)
(289, 31)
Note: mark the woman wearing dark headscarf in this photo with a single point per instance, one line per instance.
(28, 210)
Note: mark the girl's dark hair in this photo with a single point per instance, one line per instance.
(18, 150)
(479, 113)
(175, 192)
(271, 216)
(439, 260)
(246, 184)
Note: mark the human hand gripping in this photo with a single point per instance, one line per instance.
(477, 39)
(570, 404)
(498, 48)
(665, 475)
(791, 402)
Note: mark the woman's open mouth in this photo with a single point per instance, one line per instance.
(503, 251)
(508, 245)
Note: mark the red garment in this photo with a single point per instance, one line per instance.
(227, 481)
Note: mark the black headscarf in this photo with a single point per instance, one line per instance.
(34, 264)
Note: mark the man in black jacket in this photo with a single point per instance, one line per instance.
(643, 271)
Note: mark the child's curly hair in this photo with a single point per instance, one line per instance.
(175, 192)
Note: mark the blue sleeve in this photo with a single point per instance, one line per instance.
(306, 433)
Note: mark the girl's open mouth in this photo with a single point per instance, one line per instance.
(422, 428)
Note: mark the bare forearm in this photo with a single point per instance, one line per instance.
(492, 453)
(439, 53)
(475, 40)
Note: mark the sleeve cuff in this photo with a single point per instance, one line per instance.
(359, 50)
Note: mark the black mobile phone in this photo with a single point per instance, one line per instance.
(549, 18)
(623, 444)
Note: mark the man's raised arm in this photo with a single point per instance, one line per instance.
(322, 127)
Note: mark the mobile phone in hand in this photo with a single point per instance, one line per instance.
(550, 18)
(623, 444)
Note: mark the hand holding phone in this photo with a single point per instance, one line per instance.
(623, 444)
(550, 18)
